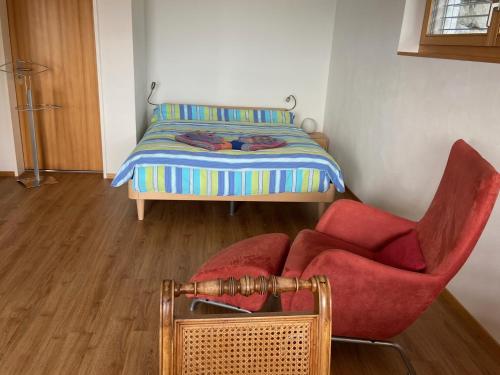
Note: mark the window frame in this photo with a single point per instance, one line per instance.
(473, 47)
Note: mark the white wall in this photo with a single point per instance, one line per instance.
(392, 120)
(236, 52)
(115, 46)
(140, 65)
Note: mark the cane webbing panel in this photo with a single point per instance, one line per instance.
(277, 346)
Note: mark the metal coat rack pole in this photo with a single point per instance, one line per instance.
(25, 70)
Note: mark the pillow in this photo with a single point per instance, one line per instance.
(192, 112)
(403, 252)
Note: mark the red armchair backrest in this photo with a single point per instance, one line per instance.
(459, 211)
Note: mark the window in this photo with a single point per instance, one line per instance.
(450, 17)
(462, 29)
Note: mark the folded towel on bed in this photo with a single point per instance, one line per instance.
(212, 142)
(259, 146)
(206, 140)
(262, 139)
(262, 142)
(204, 136)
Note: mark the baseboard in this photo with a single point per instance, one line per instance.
(348, 194)
(7, 174)
(468, 320)
(353, 196)
(110, 176)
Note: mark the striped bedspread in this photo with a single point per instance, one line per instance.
(161, 164)
(206, 182)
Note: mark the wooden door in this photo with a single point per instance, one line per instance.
(59, 34)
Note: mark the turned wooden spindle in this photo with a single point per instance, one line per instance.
(247, 286)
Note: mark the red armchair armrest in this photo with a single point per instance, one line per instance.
(370, 300)
(362, 225)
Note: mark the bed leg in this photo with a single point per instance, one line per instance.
(321, 208)
(140, 209)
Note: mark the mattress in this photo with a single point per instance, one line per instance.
(161, 164)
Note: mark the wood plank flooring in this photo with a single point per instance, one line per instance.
(79, 282)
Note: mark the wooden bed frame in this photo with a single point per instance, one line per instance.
(321, 198)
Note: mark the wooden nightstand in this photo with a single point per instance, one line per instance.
(320, 139)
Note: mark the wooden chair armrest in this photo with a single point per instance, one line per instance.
(248, 285)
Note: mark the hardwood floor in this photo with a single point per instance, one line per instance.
(80, 276)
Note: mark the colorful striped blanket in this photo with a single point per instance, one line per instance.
(213, 183)
(158, 151)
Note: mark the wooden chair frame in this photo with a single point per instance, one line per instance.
(173, 342)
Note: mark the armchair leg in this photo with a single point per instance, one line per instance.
(392, 345)
(232, 208)
(197, 301)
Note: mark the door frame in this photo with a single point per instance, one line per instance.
(97, 43)
(5, 55)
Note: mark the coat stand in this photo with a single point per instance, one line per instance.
(25, 70)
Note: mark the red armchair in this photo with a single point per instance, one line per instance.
(374, 301)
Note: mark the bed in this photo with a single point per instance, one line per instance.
(160, 168)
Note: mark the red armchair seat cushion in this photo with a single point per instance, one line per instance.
(404, 253)
(262, 255)
(310, 243)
